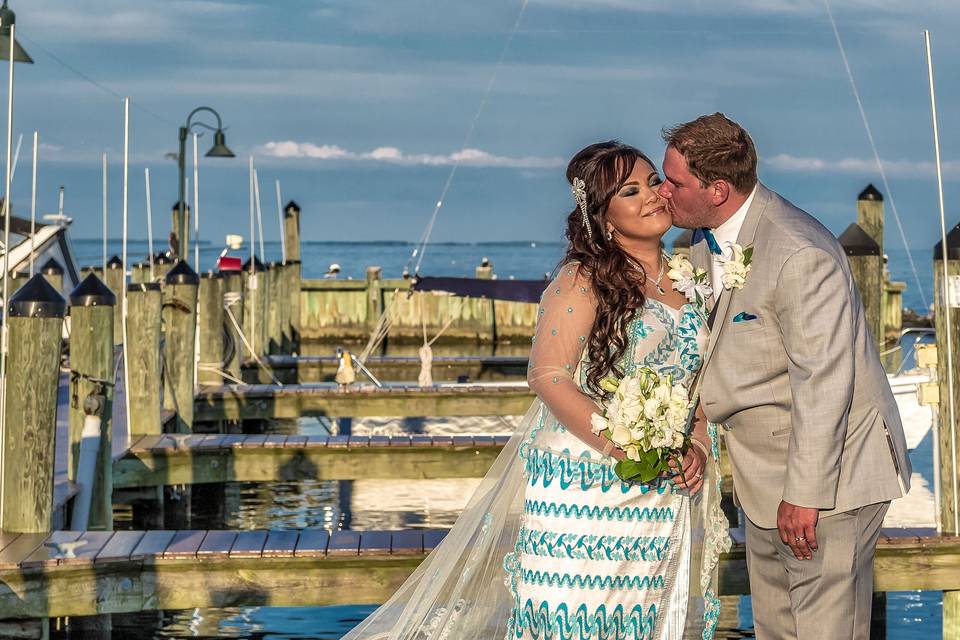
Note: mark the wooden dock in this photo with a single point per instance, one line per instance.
(196, 459)
(304, 369)
(126, 571)
(267, 401)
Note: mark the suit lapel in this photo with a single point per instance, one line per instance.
(745, 238)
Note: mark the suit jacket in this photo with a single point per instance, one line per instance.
(809, 414)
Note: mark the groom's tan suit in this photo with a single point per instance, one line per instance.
(793, 374)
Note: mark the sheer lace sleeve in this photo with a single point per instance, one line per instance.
(567, 311)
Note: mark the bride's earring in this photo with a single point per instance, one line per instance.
(609, 235)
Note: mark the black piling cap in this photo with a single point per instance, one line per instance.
(92, 292)
(292, 207)
(115, 263)
(857, 242)
(257, 265)
(37, 299)
(162, 258)
(294, 262)
(182, 274)
(953, 245)
(870, 193)
(51, 268)
(134, 287)
(683, 240)
(211, 275)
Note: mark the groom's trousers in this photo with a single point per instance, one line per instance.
(829, 596)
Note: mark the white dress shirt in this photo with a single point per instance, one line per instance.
(726, 235)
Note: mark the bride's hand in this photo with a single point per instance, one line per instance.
(690, 475)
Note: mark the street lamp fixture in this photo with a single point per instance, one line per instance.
(7, 19)
(218, 150)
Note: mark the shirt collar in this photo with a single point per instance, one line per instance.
(730, 229)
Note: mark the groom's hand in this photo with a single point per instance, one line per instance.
(797, 527)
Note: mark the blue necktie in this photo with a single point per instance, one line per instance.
(711, 241)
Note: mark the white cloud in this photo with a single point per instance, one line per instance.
(288, 149)
(859, 166)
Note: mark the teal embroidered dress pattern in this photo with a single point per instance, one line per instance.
(596, 557)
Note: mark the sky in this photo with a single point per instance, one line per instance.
(362, 109)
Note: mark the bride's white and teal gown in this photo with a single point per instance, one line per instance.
(552, 544)
(597, 557)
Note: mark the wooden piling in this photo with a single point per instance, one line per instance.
(180, 329)
(53, 273)
(374, 294)
(210, 308)
(948, 473)
(91, 373)
(140, 272)
(233, 305)
(484, 270)
(144, 303)
(35, 323)
(291, 235)
(866, 263)
(274, 302)
(254, 298)
(116, 280)
(870, 214)
(162, 264)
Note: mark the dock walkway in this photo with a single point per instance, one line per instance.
(85, 573)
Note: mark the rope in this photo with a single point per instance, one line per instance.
(876, 154)
(243, 338)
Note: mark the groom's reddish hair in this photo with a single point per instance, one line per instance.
(716, 148)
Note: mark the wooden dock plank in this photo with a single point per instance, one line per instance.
(344, 543)
(184, 544)
(249, 544)
(93, 543)
(312, 543)
(280, 544)
(120, 547)
(152, 544)
(47, 553)
(406, 543)
(217, 543)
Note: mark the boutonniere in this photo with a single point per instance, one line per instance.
(689, 280)
(736, 267)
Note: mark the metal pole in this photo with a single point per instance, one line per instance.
(256, 194)
(946, 284)
(103, 159)
(283, 235)
(196, 206)
(4, 326)
(33, 203)
(123, 300)
(146, 180)
(181, 226)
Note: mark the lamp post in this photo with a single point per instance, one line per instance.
(7, 19)
(218, 150)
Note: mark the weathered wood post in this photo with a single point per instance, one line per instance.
(254, 318)
(210, 308)
(116, 280)
(285, 298)
(53, 272)
(866, 263)
(140, 272)
(161, 266)
(274, 304)
(948, 293)
(291, 233)
(91, 374)
(870, 214)
(180, 330)
(17, 280)
(144, 305)
(484, 270)
(233, 306)
(374, 296)
(35, 323)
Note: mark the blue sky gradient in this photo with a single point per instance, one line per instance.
(359, 107)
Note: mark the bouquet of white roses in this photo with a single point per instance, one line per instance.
(646, 417)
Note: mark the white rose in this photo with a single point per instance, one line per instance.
(638, 433)
(598, 424)
(633, 453)
(620, 435)
(651, 407)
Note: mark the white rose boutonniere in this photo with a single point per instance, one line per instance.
(688, 280)
(736, 267)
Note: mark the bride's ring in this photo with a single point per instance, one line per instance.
(799, 539)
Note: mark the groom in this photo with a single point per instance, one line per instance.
(792, 372)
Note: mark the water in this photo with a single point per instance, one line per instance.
(523, 260)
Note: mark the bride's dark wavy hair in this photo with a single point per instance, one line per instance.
(617, 281)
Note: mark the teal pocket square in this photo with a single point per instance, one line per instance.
(743, 316)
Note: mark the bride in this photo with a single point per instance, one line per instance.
(553, 544)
